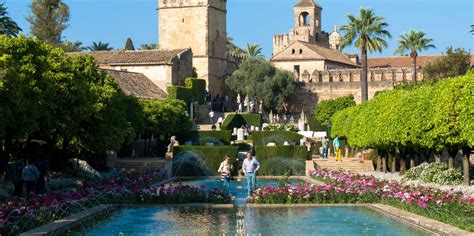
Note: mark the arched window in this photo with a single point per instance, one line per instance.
(293, 51)
(304, 19)
(301, 51)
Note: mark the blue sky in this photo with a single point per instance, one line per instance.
(256, 21)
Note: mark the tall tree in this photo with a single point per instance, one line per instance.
(367, 33)
(414, 42)
(253, 51)
(149, 46)
(69, 46)
(48, 20)
(7, 25)
(100, 46)
(129, 45)
(455, 62)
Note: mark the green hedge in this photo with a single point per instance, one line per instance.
(201, 138)
(314, 125)
(237, 120)
(282, 160)
(199, 160)
(262, 138)
(194, 90)
(198, 87)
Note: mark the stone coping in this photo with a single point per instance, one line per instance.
(62, 226)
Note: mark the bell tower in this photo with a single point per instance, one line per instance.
(307, 21)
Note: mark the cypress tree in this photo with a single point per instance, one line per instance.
(48, 20)
(129, 45)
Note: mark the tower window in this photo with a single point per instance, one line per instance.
(301, 51)
(293, 51)
(304, 19)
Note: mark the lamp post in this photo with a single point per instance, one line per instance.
(329, 129)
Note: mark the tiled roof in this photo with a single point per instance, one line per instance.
(133, 57)
(329, 54)
(137, 85)
(400, 62)
(307, 3)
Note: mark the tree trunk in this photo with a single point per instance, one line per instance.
(414, 55)
(403, 165)
(466, 165)
(437, 157)
(379, 163)
(384, 163)
(394, 164)
(412, 163)
(363, 78)
(450, 161)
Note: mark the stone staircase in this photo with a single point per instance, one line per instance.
(355, 165)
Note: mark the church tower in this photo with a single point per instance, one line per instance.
(199, 25)
(307, 21)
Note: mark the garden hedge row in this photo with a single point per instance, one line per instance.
(237, 120)
(281, 160)
(211, 157)
(262, 138)
(194, 90)
(201, 138)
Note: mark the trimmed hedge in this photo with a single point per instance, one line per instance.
(201, 138)
(314, 125)
(194, 90)
(237, 120)
(282, 160)
(210, 157)
(262, 138)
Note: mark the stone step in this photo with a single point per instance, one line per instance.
(347, 164)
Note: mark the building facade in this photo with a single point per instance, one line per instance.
(202, 26)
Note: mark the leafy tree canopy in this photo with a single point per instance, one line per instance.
(7, 25)
(455, 62)
(129, 45)
(325, 109)
(48, 20)
(150, 46)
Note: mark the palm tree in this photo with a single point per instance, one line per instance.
(69, 46)
(413, 41)
(472, 29)
(253, 51)
(150, 46)
(100, 47)
(7, 25)
(232, 49)
(367, 32)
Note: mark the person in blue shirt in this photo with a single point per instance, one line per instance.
(249, 168)
(337, 148)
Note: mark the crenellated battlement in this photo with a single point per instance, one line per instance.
(395, 75)
(280, 42)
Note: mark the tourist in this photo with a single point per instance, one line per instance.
(16, 176)
(219, 122)
(249, 167)
(337, 148)
(42, 166)
(225, 170)
(211, 116)
(30, 175)
(324, 144)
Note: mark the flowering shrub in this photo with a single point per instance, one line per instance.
(342, 187)
(434, 173)
(19, 215)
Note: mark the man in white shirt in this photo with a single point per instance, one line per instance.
(250, 167)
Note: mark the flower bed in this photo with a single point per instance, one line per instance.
(453, 208)
(19, 215)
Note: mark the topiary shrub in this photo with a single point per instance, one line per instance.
(414, 173)
(201, 138)
(434, 173)
(431, 170)
(448, 177)
(199, 160)
(262, 138)
(194, 90)
(237, 120)
(281, 160)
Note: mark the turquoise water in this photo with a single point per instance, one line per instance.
(242, 220)
(250, 221)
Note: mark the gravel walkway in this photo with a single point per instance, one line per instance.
(469, 190)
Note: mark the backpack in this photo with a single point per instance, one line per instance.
(30, 173)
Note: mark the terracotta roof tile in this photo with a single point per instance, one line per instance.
(136, 84)
(329, 54)
(400, 62)
(132, 57)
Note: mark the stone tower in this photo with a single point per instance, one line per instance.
(199, 25)
(307, 21)
(335, 40)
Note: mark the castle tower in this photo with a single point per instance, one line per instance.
(307, 21)
(201, 26)
(335, 40)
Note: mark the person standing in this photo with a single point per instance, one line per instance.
(30, 175)
(325, 144)
(211, 116)
(17, 177)
(337, 148)
(219, 122)
(249, 168)
(225, 170)
(42, 166)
